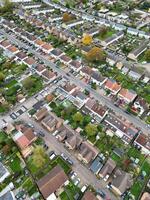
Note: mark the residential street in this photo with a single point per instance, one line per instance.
(104, 100)
(86, 176)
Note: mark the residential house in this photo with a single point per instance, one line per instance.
(29, 61)
(120, 127)
(49, 75)
(73, 23)
(50, 184)
(69, 87)
(40, 114)
(51, 123)
(97, 165)
(40, 68)
(88, 195)
(143, 143)
(39, 43)
(97, 78)
(30, 5)
(133, 31)
(21, 56)
(112, 39)
(24, 139)
(65, 59)
(138, 51)
(112, 86)
(87, 152)
(93, 31)
(119, 27)
(95, 109)
(56, 53)
(128, 96)
(86, 72)
(4, 173)
(7, 194)
(47, 48)
(107, 169)
(78, 98)
(121, 182)
(5, 44)
(140, 106)
(75, 65)
(73, 142)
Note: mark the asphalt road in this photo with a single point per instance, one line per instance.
(104, 100)
(85, 175)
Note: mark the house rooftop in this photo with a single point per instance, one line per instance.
(112, 85)
(130, 95)
(21, 55)
(143, 140)
(52, 181)
(5, 43)
(56, 52)
(30, 61)
(75, 64)
(12, 49)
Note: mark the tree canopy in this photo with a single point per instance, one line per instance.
(66, 17)
(91, 129)
(78, 117)
(147, 55)
(87, 39)
(39, 157)
(95, 54)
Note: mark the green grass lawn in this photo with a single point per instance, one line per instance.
(15, 164)
(29, 186)
(135, 153)
(115, 157)
(136, 189)
(107, 35)
(69, 192)
(11, 83)
(49, 165)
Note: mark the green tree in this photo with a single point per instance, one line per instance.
(2, 77)
(147, 55)
(91, 129)
(39, 157)
(78, 117)
(28, 83)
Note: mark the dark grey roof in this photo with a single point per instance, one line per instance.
(96, 165)
(7, 196)
(2, 170)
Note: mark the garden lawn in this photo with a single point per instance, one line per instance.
(69, 192)
(15, 164)
(135, 153)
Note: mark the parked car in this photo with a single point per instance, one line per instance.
(52, 155)
(69, 161)
(40, 133)
(65, 157)
(101, 193)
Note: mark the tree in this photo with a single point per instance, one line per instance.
(103, 31)
(91, 129)
(39, 157)
(66, 17)
(87, 39)
(95, 54)
(28, 83)
(78, 117)
(147, 55)
(2, 77)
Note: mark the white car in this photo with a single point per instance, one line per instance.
(106, 177)
(84, 188)
(55, 133)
